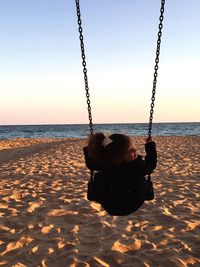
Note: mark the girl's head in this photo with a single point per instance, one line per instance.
(108, 150)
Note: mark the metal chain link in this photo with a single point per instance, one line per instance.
(160, 26)
(80, 29)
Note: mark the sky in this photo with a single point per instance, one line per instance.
(41, 78)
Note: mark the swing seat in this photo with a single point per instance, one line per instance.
(116, 199)
(121, 189)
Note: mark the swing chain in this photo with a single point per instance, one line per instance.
(80, 29)
(160, 26)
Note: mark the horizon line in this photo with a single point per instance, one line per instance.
(99, 123)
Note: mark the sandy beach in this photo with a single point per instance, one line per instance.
(46, 219)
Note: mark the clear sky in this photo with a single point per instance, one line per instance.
(41, 78)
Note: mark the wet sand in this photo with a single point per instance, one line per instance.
(46, 220)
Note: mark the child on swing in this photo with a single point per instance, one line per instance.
(120, 178)
(105, 151)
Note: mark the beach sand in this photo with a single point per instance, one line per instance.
(46, 219)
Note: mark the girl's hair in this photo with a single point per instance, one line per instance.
(110, 154)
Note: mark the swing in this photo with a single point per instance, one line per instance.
(118, 198)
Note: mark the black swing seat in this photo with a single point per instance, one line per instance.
(122, 188)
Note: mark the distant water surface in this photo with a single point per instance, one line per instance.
(82, 130)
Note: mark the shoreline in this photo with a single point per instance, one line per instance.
(82, 130)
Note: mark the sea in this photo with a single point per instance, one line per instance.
(82, 130)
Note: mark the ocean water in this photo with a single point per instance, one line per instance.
(82, 130)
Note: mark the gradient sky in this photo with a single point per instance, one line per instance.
(41, 78)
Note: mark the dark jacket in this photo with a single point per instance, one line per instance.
(122, 188)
